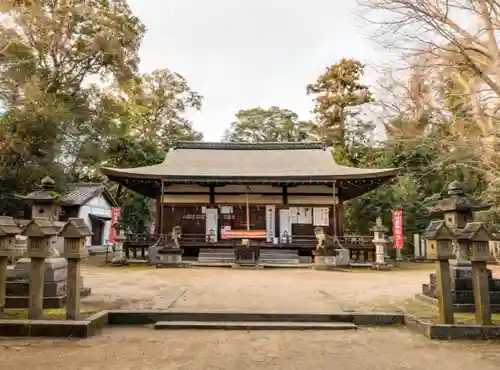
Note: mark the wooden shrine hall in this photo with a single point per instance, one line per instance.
(273, 193)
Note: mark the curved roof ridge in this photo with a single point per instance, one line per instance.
(291, 145)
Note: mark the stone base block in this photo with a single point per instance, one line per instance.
(459, 307)
(466, 283)
(50, 289)
(48, 302)
(56, 269)
(460, 296)
(325, 263)
(464, 272)
(381, 266)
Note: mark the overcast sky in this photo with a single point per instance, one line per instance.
(246, 53)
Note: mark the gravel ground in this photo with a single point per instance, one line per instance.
(249, 290)
(284, 290)
(147, 349)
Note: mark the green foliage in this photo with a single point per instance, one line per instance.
(267, 124)
(338, 94)
(58, 124)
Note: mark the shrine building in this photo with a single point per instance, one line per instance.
(273, 193)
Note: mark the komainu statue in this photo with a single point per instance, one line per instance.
(176, 236)
(320, 235)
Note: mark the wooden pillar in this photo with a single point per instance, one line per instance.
(3, 281)
(443, 290)
(159, 214)
(35, 308)
(74, 286)
(481, 293)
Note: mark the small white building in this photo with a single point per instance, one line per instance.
(93, 202)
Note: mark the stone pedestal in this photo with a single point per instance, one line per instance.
(461, 288)
(169, 257)
(325, 263)
(246, 255)
(380, 263)
(55, 274)
(342, 258)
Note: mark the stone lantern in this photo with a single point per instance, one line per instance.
(44, 202)
(8, 232)
(380, 243)
(40, 233)
(439, 241)
(458, 209)
(440, 248)
(75, 232)
(475, 238)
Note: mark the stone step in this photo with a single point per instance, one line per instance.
(216, 260)
(215, 254)
(280, 261)
(216, 250)
(255, 325)
(275, 251)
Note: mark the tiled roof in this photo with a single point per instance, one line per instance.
(81, 193)
(201, 160)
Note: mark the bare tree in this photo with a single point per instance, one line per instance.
(453, 51)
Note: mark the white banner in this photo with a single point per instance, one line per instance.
(270, 222)
(285, 226)
(321, 216)
(211, 224)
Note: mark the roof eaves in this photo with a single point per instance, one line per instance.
(249, 146)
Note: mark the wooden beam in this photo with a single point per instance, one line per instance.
(283, 193)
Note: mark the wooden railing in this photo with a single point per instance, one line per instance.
(139, 240)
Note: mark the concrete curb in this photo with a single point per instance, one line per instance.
(452, 332)
(151, 317)
(91, 326)
(94, 324)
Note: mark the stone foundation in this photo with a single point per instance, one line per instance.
(461, 285)
(169, 258)
(55, 285)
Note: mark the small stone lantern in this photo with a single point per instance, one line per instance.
(440, 248)
(40, 232)
(439, 241)
(75, 232)
(475, 238)
(380, 243)
(8, 232)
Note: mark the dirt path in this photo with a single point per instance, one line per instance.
(146, 349)
(248, 290)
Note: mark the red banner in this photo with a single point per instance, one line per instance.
(397, 228)
(115, 216)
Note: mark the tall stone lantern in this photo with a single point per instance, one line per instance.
(380, 244)
(457, 209)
